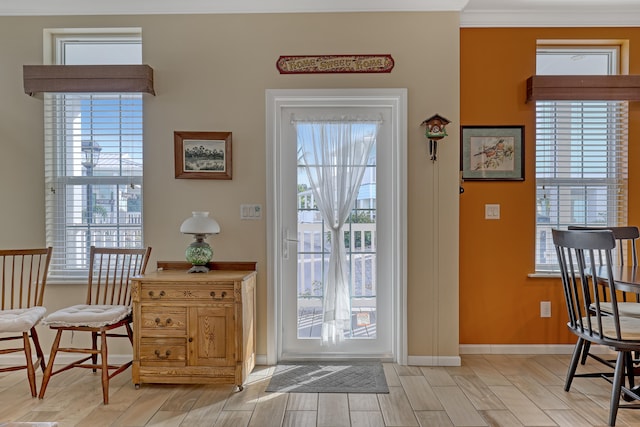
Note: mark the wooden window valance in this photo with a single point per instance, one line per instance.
(88, 78)
(583, 88)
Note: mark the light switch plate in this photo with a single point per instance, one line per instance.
(250, 211)
(491, 211)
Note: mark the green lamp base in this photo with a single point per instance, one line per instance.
(199, 253)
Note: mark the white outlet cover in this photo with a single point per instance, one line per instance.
(545, 308)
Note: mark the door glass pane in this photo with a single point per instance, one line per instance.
(314, 248)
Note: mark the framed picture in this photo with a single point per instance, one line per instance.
(202, 155)
(492, 153)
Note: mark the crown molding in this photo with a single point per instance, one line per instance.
(473, 13)
(550, 18)
(154, 7)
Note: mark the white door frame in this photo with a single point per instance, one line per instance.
(276, 100)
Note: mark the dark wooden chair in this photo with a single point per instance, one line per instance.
(626, 238)
(107, 307)
(23, 279)
(579, 253)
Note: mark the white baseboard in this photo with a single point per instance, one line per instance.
(500, 349)
(434, 360)
(526, 349)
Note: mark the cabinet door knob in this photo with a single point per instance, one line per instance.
(162, 356)
(190, 339)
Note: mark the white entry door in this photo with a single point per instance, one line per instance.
(372, 237)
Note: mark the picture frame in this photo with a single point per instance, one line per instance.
(492, 153)
(202, 155)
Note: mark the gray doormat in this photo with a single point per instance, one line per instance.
(329, 377)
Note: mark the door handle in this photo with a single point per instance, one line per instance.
(286, 240)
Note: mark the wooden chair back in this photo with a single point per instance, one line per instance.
(578, 254)
(628, 234)
(625, 236)
(23, 277)
(110, 273)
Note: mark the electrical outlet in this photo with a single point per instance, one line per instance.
(545, 308)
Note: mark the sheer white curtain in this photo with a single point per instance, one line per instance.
(335, 154)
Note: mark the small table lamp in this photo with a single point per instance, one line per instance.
(199, 253)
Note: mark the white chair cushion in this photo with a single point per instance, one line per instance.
(93, 316)
(20, 319)
(629, 327)
(625, 308)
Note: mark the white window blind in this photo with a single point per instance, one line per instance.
(93, 170)
(581, 169)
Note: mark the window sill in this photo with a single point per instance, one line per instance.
(541, 275)
(68, 280)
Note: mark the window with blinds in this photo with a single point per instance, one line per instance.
(581, 159)
(581, 169)
(93, 160)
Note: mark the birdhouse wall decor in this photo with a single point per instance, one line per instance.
(435, 131)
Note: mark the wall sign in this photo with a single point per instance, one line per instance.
(313, 64)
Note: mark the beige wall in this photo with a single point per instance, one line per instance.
(211, 73)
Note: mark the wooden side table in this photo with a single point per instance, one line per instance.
(194, 328)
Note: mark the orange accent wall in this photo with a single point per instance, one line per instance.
(499, 303)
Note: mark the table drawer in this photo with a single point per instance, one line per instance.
(160, 318)
(163, 350)
(223, 291)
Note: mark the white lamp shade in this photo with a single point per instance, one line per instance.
(200, 223)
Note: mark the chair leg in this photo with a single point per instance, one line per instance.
(629, 369)
(575, 358)
(94, 346)
(47, 372)
(129, 332)
(31, 372)
(616, 387)
(585, 352)
(36, 344)
(105, 368)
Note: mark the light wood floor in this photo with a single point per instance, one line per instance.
(487, 390)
